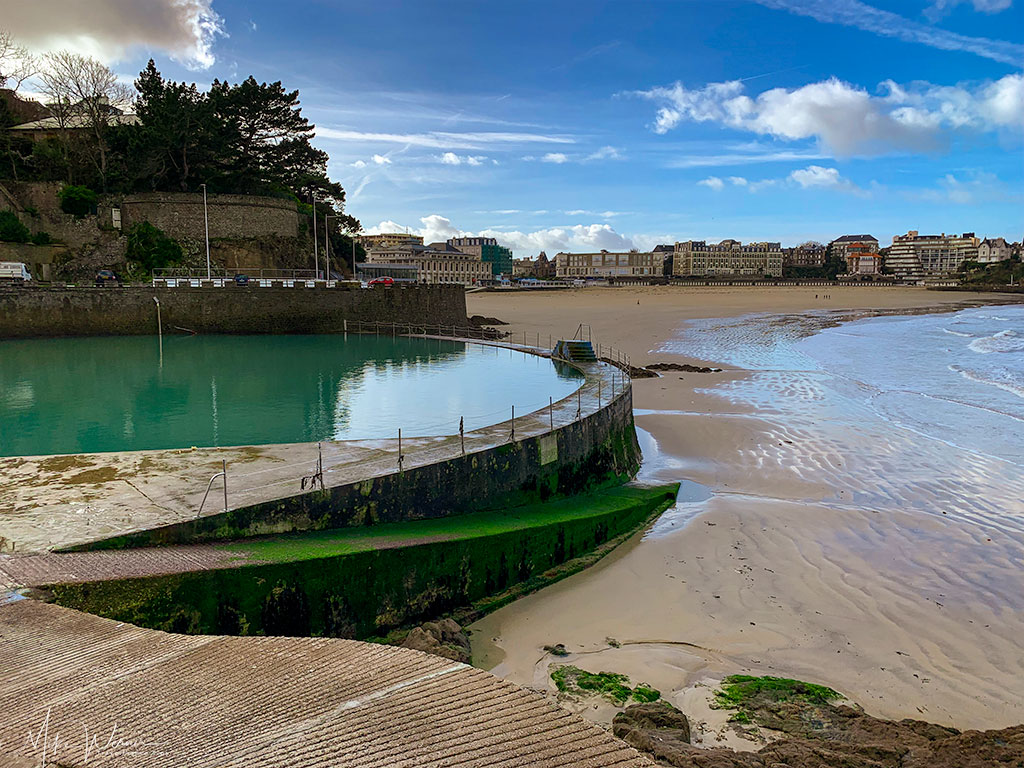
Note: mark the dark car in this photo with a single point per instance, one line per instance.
(107, 277)
(241, 279)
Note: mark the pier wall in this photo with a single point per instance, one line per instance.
(28, 311)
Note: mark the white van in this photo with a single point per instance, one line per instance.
(15, 271)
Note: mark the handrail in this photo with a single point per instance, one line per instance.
(223, 473)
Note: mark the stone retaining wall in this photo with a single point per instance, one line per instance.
(27, 311)
(231, 216)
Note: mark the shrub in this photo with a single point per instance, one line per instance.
(151, 248)
(77, 200)
(41, 238)
(11, 228)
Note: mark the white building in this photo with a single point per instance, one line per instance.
(993, 250)
(434, 265)
(607, 264)
(914, 256)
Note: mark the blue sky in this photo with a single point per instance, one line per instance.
(581, 125)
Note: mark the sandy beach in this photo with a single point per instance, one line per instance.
(781, 567)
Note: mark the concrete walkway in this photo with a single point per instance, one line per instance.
(57, 501)
(87, 691)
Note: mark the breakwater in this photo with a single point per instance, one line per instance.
(27, 311)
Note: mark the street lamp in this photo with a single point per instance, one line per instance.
(316, 249)
(206, 222)
(327, 246)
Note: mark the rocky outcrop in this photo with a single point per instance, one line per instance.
(443, 638)
(823, 736)
(685, 367)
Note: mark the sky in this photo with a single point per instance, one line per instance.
(612, 125)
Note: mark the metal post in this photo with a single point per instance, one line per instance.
(327, 250)
(462, 434)
(598, 393)
(206, 222)
(551, 411)
(159, 330)
(400, 457)
(579, 403)
(224, 469)
(512, 437)
(316, 249)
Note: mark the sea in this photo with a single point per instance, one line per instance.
(911, 411)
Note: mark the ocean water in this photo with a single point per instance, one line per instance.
(919, 412)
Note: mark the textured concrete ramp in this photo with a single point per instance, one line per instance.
(78, 690)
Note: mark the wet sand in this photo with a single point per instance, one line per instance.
(785, 570)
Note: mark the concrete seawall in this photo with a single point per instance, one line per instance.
(27, 312)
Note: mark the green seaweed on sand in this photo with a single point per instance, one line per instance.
(747, 693)
(612, 685)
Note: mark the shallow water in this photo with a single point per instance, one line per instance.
(122, 394)
(917, 413)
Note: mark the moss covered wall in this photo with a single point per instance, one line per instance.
(599, 449)
(355, 595)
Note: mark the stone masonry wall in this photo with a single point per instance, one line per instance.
(231, 216)
(27, 311)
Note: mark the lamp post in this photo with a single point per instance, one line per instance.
(316, 248)
(327, 248)
(206, 223)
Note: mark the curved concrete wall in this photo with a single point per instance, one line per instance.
(231, 216)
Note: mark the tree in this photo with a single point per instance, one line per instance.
(77, 200)
(11, 228)
(16, 64)
(83, 93)
(151, 248)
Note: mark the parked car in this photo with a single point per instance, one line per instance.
(387, 282)
(241, 279)
(14, 271)
(107, 277)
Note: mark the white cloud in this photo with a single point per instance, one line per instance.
(846, 119)
(602, 214)
(818, 176)
(972, 188)
(443, 140)
(110, 29)
(743, 158)
(579, 237)
(555, 157)
(853, 13)
(712, 182)
(737, 181)
(941, 8)
(604, 153)
(450, 158)
(359, 164)
(381, 160)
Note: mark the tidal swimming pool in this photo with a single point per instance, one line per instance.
(123, 393)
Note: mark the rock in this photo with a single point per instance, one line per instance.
(682, 367)
(558, 649)
(478, 320)
(822, 736)
(443, 638)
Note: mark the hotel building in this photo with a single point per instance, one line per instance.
(607, 264)
(729, 257)
(436, 263)
(487, 250)
(387, 240)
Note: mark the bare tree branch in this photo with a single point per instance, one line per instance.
(16, 64)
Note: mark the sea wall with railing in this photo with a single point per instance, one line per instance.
(31, 311)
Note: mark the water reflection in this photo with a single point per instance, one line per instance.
(104, 394)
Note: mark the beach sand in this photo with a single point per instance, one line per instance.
(778, 572)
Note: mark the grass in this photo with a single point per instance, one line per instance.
(612, 685)
(743, 692)
(318, 544)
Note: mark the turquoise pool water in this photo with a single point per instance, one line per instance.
(120, 393)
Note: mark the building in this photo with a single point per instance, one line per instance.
(805, 255)
(863, 259)
(606, 264)
(544, 267)
(435, 263)
(663, 258)
(915, 257)
(993, 250)
(386, 240)
(400, 273)
(838, 249)
(523, 267)
(487, 250)
(729, 257)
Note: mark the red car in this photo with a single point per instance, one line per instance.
(387, 282)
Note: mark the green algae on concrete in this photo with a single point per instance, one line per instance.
(366, 582)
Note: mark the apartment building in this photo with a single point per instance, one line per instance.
(809, 254)
(487, 250)
(435, 263)
(607, 264)
(729, 257)
(914, 256)
(386, 240)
